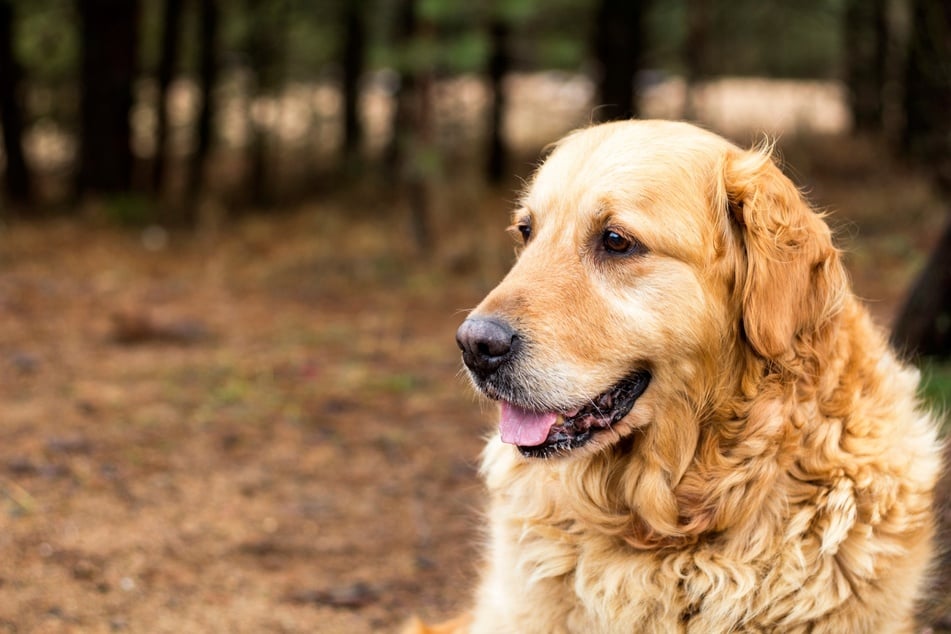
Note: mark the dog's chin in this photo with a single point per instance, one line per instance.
(541, 433)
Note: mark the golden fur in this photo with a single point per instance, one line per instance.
(778, 472)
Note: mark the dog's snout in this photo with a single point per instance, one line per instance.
(486, 344)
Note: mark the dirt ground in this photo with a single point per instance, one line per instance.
(266, 434)
(266, 429)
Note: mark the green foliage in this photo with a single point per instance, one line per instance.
(417, 54)
(468, 52)
(551, 35)
(150, 34)
(450, 38)
(560, 52)
(665, 24)
(936, 385)
(427, 162)
(516, 11)
(131, 210)
(47, 39)
(395, 382)
(447, 11)
(313, 38)
(748, 37)
(298, 39)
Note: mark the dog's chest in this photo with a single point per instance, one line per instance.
(599, 583)
(584, 583)
(548, 573)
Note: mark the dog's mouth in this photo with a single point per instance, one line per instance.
(540, 434)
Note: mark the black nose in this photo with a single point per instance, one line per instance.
(486, 344)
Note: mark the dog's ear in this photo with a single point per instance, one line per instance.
(794, 280)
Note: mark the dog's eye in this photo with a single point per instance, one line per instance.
(521, 231)
(614, 242)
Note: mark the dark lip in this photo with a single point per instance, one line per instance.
(602, 412)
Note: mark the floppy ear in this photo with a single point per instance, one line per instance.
(794, 280)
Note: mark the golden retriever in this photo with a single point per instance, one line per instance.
(701, 429)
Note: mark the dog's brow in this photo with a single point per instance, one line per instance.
(520, 214)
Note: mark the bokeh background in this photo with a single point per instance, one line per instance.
(236, 239)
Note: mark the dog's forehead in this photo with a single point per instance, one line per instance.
(657, 172)
(632, 154)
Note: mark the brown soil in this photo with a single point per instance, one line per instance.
(267, 430)
(264, 434)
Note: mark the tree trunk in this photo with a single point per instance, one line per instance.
(927, 134)
(109, 33)
(412, 143)
(924, 325)
(171, 27)
(619, 42)
(401, 121)
(500, 61)
(354, 55)
(866, 53)
(265, 53)
(17, 176)
(208, 77)
(420, 171)
(695, 52)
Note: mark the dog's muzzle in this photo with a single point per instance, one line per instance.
(489, 347)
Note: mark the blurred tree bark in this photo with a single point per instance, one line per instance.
(209, 20)
(866, 55)
(109, 34)
(695, 52)
(265, 51)
(618, 46)
(354, 63)
(500, 62)
(401, 122)
(409, 156)
(17, 175)
(924, 324)
(168, 56)
(927, 103)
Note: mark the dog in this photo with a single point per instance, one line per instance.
(701, 429)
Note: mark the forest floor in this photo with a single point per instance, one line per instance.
(266, 429)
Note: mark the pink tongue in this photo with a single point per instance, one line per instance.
(524, 427)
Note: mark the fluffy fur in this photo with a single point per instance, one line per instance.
(778, 473)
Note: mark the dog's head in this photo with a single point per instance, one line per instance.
(661, 266)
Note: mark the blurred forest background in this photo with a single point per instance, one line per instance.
(236, 239)
(186, 112)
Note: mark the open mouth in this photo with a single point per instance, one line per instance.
(545, 434)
